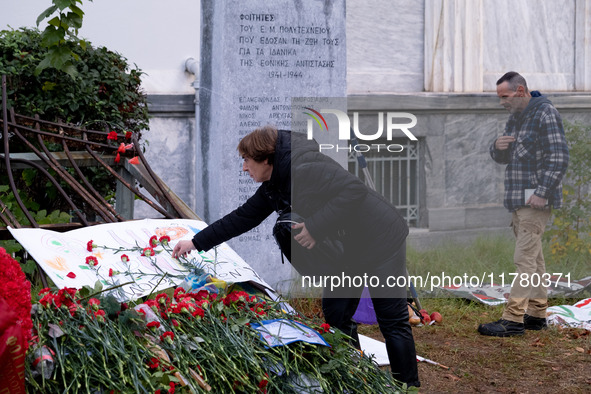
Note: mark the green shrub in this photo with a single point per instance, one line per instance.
(104, 93)
(570, 236)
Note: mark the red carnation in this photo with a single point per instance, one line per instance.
(100, 315)
(112, 136)
(121, 148)
(15, 290)
(148, 252)
(94, 304)
(162, 298)
(324, 328)
(124, 258)
(154, 324)
(164, 240)
(90, 245)
(128, 135)
(92, 261)
(153, 363)
(153, 241)
(117, 158)
(134, 160)
(167, 336)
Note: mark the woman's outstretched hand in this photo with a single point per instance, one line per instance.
(182, 248)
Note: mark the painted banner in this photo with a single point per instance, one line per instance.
(496, 294)
(577, 315)
(63, 256)
(281, 332)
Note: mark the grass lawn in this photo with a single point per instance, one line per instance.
(548, 361)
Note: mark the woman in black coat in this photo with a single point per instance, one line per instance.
(335, 204)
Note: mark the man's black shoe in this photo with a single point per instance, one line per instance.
(502, 328)
(534, 323)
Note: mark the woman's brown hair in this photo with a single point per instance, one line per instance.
(259, 144)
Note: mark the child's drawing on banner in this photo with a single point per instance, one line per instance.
(63, 256)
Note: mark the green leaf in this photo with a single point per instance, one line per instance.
(98, 286)
(29, 267)
(55, 21)
(41, 214)
(85, 291)
(70, 69)
(29, 174)
(73, 20)
(63, 4)
(11, 246)
(47, 87)
(46, 13)
(52, 36)
(75, 9)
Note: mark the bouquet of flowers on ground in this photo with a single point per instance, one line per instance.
(185, 340)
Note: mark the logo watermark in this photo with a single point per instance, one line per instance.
(358, 142)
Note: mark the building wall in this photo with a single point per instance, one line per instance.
(463, 187)
(438, 59)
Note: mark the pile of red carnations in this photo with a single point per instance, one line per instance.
(183, 342)
(84, 340)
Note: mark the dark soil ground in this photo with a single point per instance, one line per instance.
(549, 361)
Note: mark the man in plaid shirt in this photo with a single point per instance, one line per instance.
(534, 149)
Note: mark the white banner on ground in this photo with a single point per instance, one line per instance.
(60, 254)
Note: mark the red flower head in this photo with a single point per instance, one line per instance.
(94, 304)
(153, 324)
(178, 293)
(148, 252)
(175, 322)
(92, 261)
(46, 300)
(167, 336)
(121, 148)
(124, 258)
(113, 273)
(44, 291)
(164, 240)
(153, 241)
(163, 299)
(263, 384)
(71, 275)
(171, 389)
(324, 328)
(153, 363)
(152, 304)
(100, 315)
(198, 312)
(128, 135)
(73, 309)
(117, 158)
(112, 136)
(134, 160)
(89, 245)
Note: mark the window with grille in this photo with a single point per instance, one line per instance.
(395, 175)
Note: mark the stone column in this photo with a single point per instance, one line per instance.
(256, 56)
(583, 45)
(453, 46)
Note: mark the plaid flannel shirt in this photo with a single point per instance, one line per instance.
(538, 158)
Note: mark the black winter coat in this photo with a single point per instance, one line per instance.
(330, 198)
